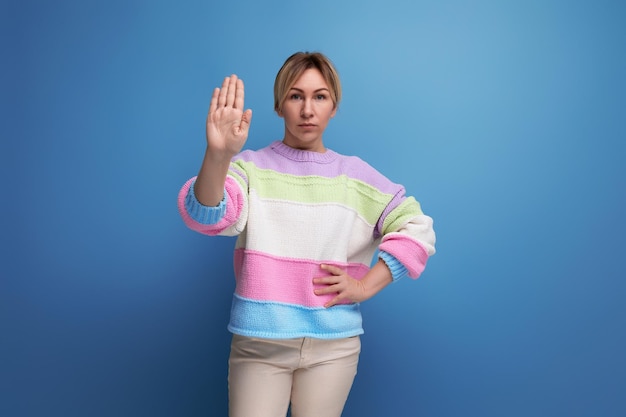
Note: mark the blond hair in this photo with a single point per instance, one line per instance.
(293, 68)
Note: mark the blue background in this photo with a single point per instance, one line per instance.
(506, 119)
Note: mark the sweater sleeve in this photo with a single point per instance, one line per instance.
(398, 271)
(408, 237)
(227, 219)
(201, 213)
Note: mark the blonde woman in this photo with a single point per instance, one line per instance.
(308, 221)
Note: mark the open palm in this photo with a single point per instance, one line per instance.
(227, 123)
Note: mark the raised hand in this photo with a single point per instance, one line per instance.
(227, 126)
(227, 123)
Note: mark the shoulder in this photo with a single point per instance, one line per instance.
(251, 154)
(250, 158)
(358, 169)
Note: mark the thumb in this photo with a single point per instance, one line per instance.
(246, 118)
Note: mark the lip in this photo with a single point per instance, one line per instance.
(307, 125)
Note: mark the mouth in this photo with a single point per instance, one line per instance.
(307, 125)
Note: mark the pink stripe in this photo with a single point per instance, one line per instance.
(408, 251)
(269, 278)
(233, 209)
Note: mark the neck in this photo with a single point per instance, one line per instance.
(303, 155)
(312, 144)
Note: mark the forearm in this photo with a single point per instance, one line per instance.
(227, 129)
(209, 186)
(377, 278)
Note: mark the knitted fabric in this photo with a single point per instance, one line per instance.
(293, 210)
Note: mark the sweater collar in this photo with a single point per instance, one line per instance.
(300, 155)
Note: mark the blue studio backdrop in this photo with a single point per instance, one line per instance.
(504, 118)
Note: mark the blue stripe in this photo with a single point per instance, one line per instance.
(398, 270)
(201, 213)
(286, 321)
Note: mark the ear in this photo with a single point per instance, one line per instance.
(279, 112)
(334, 112)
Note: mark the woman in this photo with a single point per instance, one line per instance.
(308, 221)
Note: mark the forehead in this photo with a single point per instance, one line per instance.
(310, 79)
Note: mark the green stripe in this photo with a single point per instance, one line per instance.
(239, 179)
(401, 215)
(366, 200)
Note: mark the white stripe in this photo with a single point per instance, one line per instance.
(308, 231)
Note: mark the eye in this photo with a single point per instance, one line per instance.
(295, 96)
(320, 97)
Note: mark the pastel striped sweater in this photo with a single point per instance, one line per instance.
(293, 210)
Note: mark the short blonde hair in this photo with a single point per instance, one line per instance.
(293, 68)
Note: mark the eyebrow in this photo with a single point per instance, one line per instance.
(316, 91)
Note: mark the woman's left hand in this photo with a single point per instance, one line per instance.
(342, 284)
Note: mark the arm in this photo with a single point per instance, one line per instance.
(227, 129)
(405, 249)
(348, 288)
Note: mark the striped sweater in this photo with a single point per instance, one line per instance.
(293, 210)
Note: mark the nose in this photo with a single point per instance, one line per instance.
(307, 110)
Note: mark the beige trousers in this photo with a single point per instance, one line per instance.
(313, 375)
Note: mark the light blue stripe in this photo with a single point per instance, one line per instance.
(286, 321)
(398, 271)
(201, 213)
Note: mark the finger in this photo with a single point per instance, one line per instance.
(327, 280)
(323, 284)
(332, 269)
(334, 301)
(221, 100)
(239, 95)
(232, 88)
(330, 289)
(214, 97)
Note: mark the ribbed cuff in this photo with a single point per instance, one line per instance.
(398, 271)
(201, 213)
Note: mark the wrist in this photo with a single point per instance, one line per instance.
(220, 157)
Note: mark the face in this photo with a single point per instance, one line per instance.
(307, 111)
